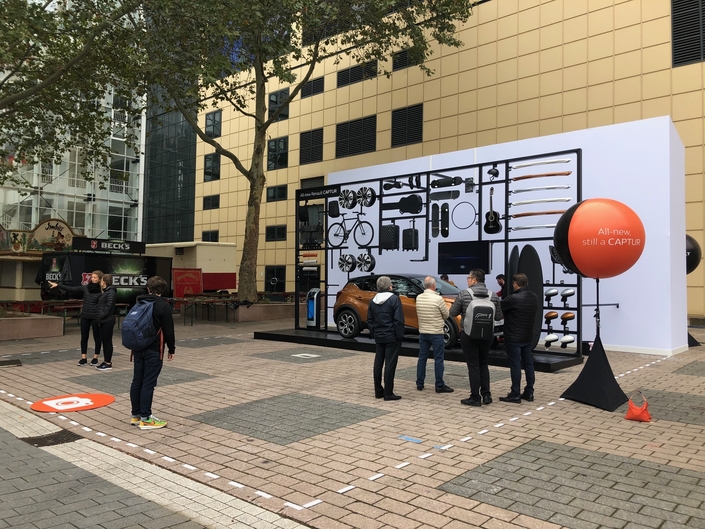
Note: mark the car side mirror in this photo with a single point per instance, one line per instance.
(412, 295)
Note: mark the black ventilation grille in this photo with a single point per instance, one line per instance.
(313, 87)
(357, 73)
(407, 125)
(356, 137)
(687, 25)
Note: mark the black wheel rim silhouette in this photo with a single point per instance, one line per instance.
(347, 198)
(366, 196)
(365, 262)
(347, 262)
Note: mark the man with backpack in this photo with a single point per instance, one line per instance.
(520, 313)
(479, 308)
(147, 328)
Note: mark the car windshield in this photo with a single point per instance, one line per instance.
(445, 289)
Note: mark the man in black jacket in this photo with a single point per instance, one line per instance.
(149, 361)
(385, 320)
(519, 311)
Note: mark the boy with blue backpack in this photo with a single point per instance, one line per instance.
(146, 330)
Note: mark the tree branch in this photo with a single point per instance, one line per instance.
(54, 77)
(210, 141)
(299, 86)
(225, 95)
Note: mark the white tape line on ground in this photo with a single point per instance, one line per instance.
(197, 501)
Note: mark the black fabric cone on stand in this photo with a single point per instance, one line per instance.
(596, 384)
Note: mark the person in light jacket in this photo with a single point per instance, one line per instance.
(385, 320)
(106, 320)
(431, 312)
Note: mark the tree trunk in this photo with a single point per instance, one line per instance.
(247, 288)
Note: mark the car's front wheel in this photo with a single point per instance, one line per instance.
(450, 333)
(348, 323)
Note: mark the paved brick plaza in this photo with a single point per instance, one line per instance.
(276, 435)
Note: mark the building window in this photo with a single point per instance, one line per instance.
(311, 147)
(211, 167)
(278, 154)
(276, 193)
(275, 101)
(356, 137)
(687, 26)
(117, 223)
(211, 202)
(214, 120)
(275, 233)
(312, 87)
(402, 60)
(274, 278)
(407, 125)
(209, 236)
(316, 181)
(357, 73)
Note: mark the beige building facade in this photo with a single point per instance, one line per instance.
(528, 68)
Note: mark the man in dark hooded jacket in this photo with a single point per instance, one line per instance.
(385, 320)
(148, 362)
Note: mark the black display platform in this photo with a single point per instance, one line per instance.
(544, 362)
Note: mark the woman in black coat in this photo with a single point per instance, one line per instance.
(106, 320)
(90, 294)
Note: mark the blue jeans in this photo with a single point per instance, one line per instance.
(426, 341)
(519, 355)
(147, 368)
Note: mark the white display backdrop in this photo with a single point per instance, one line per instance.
(641, 164)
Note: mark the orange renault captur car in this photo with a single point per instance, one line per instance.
(352, 302)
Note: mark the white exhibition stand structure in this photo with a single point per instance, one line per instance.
(641, 164)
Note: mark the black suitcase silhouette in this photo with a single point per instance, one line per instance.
(389, 237)
(333, 209)
(410, 239)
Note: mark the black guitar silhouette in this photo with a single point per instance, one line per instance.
(412, 204)
(492, 224)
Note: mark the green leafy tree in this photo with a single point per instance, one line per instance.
(57, 60)
(222, 53)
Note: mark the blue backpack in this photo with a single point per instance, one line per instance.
(138, 330)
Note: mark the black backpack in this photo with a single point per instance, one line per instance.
(138, 330)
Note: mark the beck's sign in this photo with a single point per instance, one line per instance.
(105, 245)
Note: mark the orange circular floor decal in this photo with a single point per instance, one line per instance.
(76, 402)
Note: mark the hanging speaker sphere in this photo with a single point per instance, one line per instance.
(599, 238)
(693, 254)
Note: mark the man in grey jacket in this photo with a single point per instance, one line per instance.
(385, 320)
(476, 351)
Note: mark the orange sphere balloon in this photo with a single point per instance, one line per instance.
(599, 238)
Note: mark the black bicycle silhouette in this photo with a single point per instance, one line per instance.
(362, 231)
